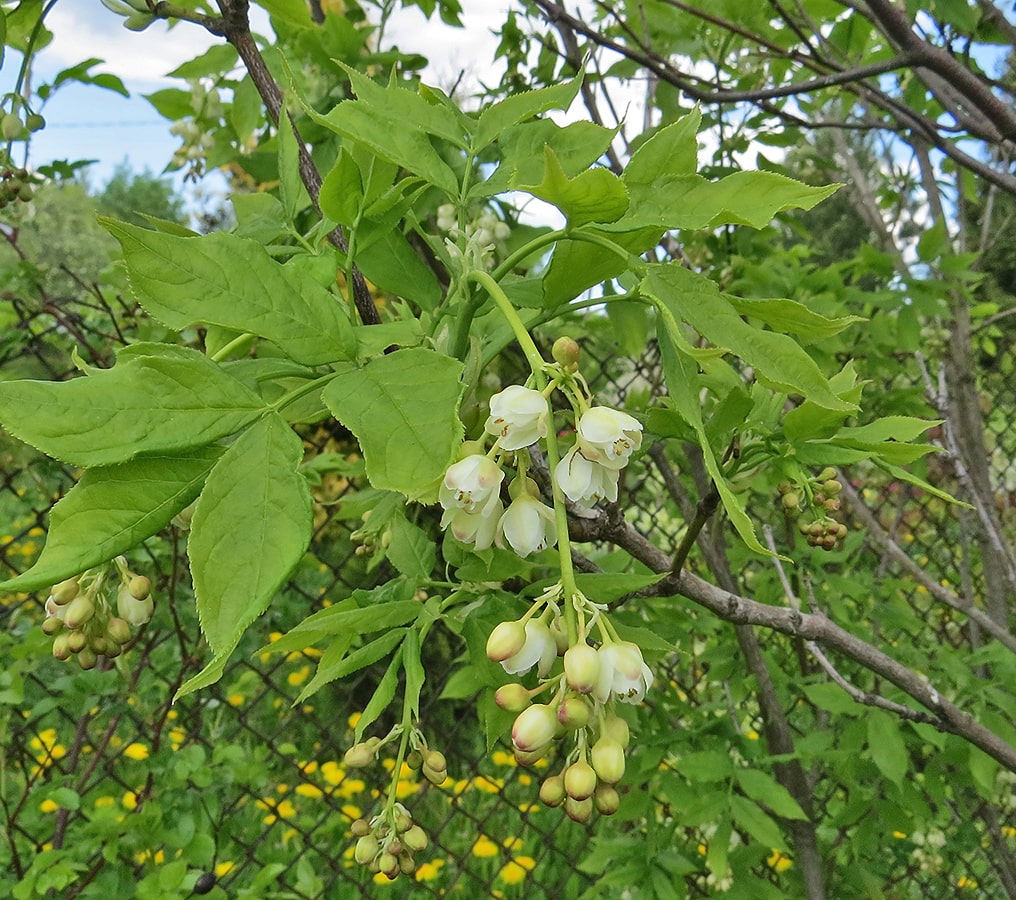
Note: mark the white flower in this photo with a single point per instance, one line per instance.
(584, 480)
(609, 436)
(623, 673)
(478, 529)
(519, 416)
(472, 484)
(539, 648)
(528, 525)
(132, 610)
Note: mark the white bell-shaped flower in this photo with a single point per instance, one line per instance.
(584, 480)
(131, 609)
(472, 484)
(540, 649)
(612, 435)
(623, 673)
(478, 528)
(528, 525)
(519, 416)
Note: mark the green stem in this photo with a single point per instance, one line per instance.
(526, 342)
(302, 391)
(240, 342)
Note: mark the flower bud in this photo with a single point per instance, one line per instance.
(414, 759)
(531, 757)
(579, 780)
(790, 501)
(395, 847)
(827, 474)
(606, 799)
(435, 777)
(505, 641)
(607, 758)
(79, 611)
(403, 821)
(51, 625)
(388, 864)
(534, 727)
(360, 828)
(60, 649)
(512, 697)
(119, 630)
(552, 791)
(358, 756)
(87, 658)
(416, 839)
(140, 587)
(65, 591)
(435, 760)
(366, 849)
(616, 729)
(407, 865)
(131, 609)
(582, 668)
(579, 810)
(573, 712)
(77, 641)
(565, 351)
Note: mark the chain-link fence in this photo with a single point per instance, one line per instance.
(244, 785)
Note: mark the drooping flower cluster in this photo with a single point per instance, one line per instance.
(579, 709)
(520, 416)
(387, 842)
(80, 616)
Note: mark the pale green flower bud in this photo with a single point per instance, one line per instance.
(119, 630)
(366, 849)
(51, 625)
(606, 799)
(79, 611)
(65, 591)
(435, 760)
(360, 828)
(407, 865)
(579, 810)
(416, 839)
(60, 649)
(77, 641)
(566, 352)
(579, 780)
(140, 587)
(573, 712)
(617, 730)
(534, 727)
(582, 668)
(388, 864)
(552, 791)
(511, 697)
(505, 641)
(88, 658)
(607, 758)
(358, 756)
(131, 609)
(531, 757)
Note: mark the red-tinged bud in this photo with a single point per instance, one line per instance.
(359, 756)
(582, 668)
(511, 697)
(607, 758)
(51, 625)
(403, 822)
(552, 791)
(395, 847)
(407, 865)
(534, 727)
(579, 810)
(505, 641)
(65, 591)
(579, 780)
(606, 799)
(366, 849)
(60, 649)
(573, 712)
(360, 828)
(616, 729)
(77, 641)
(79, 611)
(531, 757)
(416, 839)
(566, 352)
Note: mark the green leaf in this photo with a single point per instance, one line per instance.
(753, 820)
(366, 655)
(294, 12)
(112, 509)
(765, 789)
(888, 428)
(498, 117)
(411, 551)
(705, 766)
(348, 617)
(595, 195)
(415, 675)
(147, 404)
(383, 695)
(372, 340)
(390, 262)
(673, 150)
(605, 587)
(693, 202)
(216, 60)
(222, 279)
(776, 357)
(251, 526)
(293, 194)
(886, 746)
(793, 317)
(403, 409)
(341, 195)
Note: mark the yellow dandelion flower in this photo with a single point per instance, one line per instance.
(101, 802)
(488, 785)
(136, 751)
(332, 772)
(405, 789)
(177, 736)
(309, 768)
(36, 532)
(752, 735)
(525, 780)
(299, 676)
(353, 719)
(517, 869)
(512, 843)
(966, 883)
(224, 868)
(1009, 831)
(48, 806)
(485, 847)
(236, 699)
(500, 758)
(129, 800)
(779, 861)
(309, 790)
(528, 807)
(351, 787)
(351, 812)
(428, 871)
(899, 835)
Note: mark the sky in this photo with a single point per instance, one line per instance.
(86, 122)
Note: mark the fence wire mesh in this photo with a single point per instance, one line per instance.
(253, 776)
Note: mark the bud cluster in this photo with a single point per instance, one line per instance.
(520, 417)
(387, 842)
(820, 499)
(80, 616)
(15, 185)
(137, 14)
(195, 131)
(579, 716)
